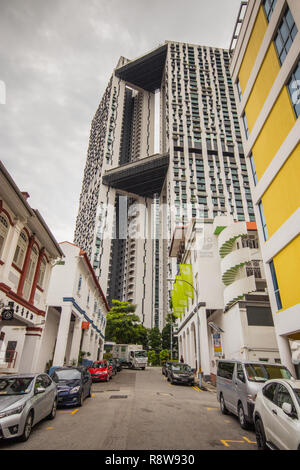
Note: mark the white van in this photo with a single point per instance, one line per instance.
(238, 383)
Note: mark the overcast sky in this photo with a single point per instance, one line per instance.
(56, 57)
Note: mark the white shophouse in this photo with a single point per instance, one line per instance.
(27, 252)
(230, 315)
(76, 313)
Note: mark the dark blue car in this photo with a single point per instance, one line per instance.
(73, 385)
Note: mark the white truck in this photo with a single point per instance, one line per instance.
(131, 355)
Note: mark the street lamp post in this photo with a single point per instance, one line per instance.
(198, 327)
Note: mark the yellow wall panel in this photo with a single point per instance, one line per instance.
(282, 197)
(263, 84)
(274, 132)
(256, 38)
(287, 264)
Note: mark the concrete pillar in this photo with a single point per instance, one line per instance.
(86, 342)
(286, 353)
(101, 349)
(193, 350)
(204, 347)
(30, 352)
(93, 346)
(198, 359)
(75, 345)
(185, 348)
(62, 336)
(192, 358)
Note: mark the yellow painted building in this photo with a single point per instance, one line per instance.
(265, 69)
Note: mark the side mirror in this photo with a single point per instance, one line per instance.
(287, 408)
(241, 377)
(39, 390)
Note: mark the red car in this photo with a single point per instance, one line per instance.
(100, 371)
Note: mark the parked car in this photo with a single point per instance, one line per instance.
(25, 399)
(238, 383)
(277, 415)
(180, 373)
(113, 364)
(100, 371)
(166, 365)
(73, 385)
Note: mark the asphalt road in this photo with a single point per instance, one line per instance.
(140, 410)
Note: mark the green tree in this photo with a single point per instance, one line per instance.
(153, 358)
(154, 339)
(164, 355)
(123, 325)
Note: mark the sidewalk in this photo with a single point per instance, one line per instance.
(206, 385)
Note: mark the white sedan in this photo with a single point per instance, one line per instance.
(277, 415)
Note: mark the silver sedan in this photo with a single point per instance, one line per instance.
(24, 401)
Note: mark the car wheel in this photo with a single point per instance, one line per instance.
(242, 418)
(53, 411)
(81, 399)
(223, 408)
(260, 435)
(27, 427)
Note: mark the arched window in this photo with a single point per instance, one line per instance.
(4, 226)
(20, 250)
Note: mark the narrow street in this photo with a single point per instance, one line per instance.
(140, 410)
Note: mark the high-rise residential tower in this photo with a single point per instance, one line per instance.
(165, 147)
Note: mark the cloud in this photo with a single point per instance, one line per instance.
(56, 59)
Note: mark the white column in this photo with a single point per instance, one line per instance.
(285, 353)
(86, 342)
(101, 346)
(197, 345)
(185, 347)
(93, 347)
(62, 336)
(30, 352)
(204, 347)
(179, 346)
(75, 345)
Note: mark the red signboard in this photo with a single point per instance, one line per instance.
(85, 325)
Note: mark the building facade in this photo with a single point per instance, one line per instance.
(165, 146)
(265, 70)
(229, 315)
(76, 312)
(27, 251)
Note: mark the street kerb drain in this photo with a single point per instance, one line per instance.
(118, 396)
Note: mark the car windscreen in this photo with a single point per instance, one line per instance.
(140, 353)
(264, 372)
(297, 393)
(180, 368)
(99, 365)
(68, 374)
(15, 386)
